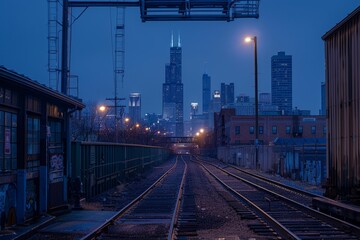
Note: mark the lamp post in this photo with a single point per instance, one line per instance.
(102, 110)
(249, 39)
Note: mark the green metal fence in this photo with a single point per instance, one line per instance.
(102, 166)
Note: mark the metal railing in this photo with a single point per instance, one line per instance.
(102, 166)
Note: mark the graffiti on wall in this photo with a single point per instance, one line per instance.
(31, 199)
(56, 171)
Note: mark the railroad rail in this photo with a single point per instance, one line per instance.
(291, 217)
(152, 214)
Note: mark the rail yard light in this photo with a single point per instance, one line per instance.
(102, 108)
(247, 40)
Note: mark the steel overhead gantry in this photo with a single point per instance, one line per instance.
(180, 10)
(164, 10)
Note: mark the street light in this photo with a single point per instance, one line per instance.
(249, 39)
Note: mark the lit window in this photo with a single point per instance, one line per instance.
(261, 129)
(313, 130)
(251, 130)
(288, 129)
(274, 130)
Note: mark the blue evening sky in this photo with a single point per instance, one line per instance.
(292, 26)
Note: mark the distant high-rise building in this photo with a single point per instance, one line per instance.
(227, 94)
(265, 98)
(206, 97)
(194, 107)
(281, 82)
(215, 107)
(135, 107)
(173, 96)
(323, 99)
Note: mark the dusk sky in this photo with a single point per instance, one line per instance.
(218, 48)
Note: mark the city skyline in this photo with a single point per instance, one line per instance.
(212, 47)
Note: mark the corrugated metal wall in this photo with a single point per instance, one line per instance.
(342, 51)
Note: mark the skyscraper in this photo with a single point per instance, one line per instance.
(135, 107)
(227, 93)
(206, 97)
(281, 82)
(194, 107)
(173, 99)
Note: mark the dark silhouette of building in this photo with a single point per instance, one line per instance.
(173, 96)
(227, 94)
(35, 152)
(342, 74)
(206, 94)
(281, 82)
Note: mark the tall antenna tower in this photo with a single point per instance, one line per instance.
(53, 44)
(119, 61)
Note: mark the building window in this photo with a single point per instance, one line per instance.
(251, 130)
(300, 129)
(55, 132)
(261, 129)
(237, 142)
(324, 130)
(237, 130)
(33, 135)
(313, 130)
(8, 141)
(288, 129)
(274, 130)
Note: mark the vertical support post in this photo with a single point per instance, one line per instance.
(21, 164)
(64, 54)
(43, 191)
(256, 107)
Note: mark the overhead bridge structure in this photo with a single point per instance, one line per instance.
(182, 10)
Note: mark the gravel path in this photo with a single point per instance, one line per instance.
(216, 219)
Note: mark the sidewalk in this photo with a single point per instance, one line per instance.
(76, 222)
(22, 231)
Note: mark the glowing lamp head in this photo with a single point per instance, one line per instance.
(201, 130)
(197, 134)
(248, 39)
(127, 119)
(102, 108)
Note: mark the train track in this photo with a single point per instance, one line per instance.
(285, 211)
(152, 215)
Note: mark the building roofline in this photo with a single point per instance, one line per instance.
(21, 80)
(340, 24)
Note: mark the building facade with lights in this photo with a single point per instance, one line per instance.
(135, 107)
(173, 93)
(281, 82)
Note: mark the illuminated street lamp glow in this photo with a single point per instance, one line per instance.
(137, 125)
(102, 108)
(197, 134)
(248, 39)
(127, 119)
(201, 130)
